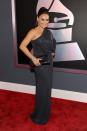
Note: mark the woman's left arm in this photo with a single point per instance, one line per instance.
(53, 47)
(53, 44)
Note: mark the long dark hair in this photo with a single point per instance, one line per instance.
(41, 11)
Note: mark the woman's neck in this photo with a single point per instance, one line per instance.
(40, 28)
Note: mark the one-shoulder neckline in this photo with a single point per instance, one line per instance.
(39, 36)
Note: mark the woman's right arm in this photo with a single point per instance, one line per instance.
(23, 46)
(25, 42)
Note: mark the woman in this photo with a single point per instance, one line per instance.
(43, 44)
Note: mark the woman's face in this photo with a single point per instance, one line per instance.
(43, 20)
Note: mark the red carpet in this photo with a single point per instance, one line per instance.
(16, 107)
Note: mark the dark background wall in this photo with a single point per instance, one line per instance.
(9, 73)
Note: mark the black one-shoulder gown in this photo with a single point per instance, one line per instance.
(43, 45)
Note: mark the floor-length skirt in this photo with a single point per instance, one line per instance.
(43, 77)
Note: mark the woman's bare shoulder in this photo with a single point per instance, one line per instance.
(32, 31)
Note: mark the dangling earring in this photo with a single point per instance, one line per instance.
(37, 21)
(36, 24)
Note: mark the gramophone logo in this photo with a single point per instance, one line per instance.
(61, 24)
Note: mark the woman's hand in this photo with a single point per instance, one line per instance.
(53, 54)
(37, 62)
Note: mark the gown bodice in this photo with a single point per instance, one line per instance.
(44, 44)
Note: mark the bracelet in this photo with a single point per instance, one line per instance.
(34, 58)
